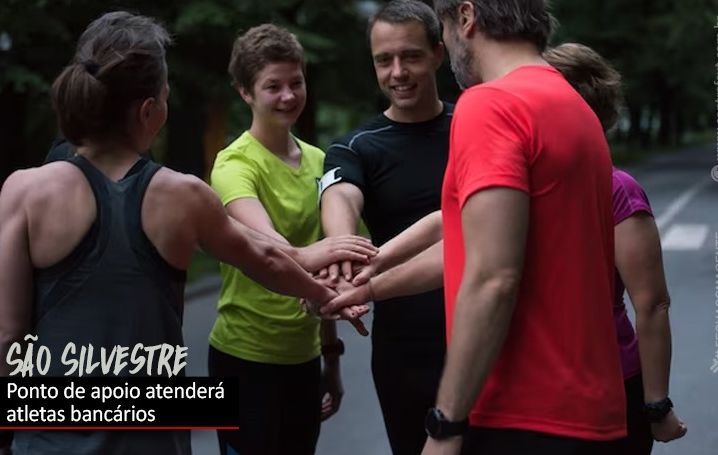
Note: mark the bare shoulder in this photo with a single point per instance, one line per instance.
(31, 184)
(40, 185)
(180, 188)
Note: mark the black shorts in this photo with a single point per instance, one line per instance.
(279, 406)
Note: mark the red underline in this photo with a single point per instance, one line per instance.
(113, 428)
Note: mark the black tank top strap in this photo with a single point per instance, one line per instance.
(143, 247)
(96, 181)
(88, 251)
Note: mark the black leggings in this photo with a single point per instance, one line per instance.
(640, 439)
(279, 406)
(406, 383)
(489, 441)
(507, 442)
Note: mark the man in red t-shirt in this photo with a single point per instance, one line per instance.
(528, 252)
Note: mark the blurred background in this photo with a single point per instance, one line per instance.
(665, 50)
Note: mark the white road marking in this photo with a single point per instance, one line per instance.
(685, 237)
(679, 203)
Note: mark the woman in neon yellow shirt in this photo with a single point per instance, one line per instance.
(267, 179)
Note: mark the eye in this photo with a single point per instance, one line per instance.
(382, 60)
(413, 56)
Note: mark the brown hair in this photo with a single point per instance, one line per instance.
(259, 46)
(119, 59)
(506, 20)
(592, 77)
(404, 11)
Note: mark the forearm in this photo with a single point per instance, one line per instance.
(654, 341)
(481, 321)
(266, 261)
(422, 273)
(289, 278)
(340, 215)
(412, 241)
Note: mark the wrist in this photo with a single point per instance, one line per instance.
(323, 294)
(379, 262)
(440, 427)
(656, 411)
(331, 351)
(370, 290)
(297, 254)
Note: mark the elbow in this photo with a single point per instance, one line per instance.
(506, 285)
(501, 285)
(652, 306)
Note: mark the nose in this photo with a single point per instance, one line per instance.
(287, 94)
(397, 68)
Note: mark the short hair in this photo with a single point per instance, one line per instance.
(119, 59)
(506, 20)
(403, 11)
(258, 47)
(592, 77)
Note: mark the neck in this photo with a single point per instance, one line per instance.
(112, 159)
(277, 141)
(496, 59)
(420, 113)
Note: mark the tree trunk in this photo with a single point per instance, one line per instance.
(185, 136)
(306, 125)
(635, 115)
(12, 128)
(215, 135)
(666, 112)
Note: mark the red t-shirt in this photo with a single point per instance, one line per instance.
(558, 371)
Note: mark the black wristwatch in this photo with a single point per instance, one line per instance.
(334, 349)
(658, 410)
(438, 427)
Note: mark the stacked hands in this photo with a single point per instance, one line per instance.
(349, 280)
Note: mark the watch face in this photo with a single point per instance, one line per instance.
(432, 423)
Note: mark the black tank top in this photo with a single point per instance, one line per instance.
(113, 289)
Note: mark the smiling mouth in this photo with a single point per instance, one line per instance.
(403, 88)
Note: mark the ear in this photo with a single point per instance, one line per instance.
(147, 109)
(467, 19)
(439, 53)
(245, 94)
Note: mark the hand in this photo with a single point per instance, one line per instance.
(668, 429)
(352, 313)
(348, 298)
(365, 273)
(450, 446)
(331, 250)
(331, 388)
(343, 270)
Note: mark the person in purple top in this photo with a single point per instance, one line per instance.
(629, 200)
(639, 269)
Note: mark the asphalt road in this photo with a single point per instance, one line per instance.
(685, 202)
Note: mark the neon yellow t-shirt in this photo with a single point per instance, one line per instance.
(254, 323)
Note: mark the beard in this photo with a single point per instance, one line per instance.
(462, 63)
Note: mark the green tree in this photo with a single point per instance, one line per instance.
(664, 50)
